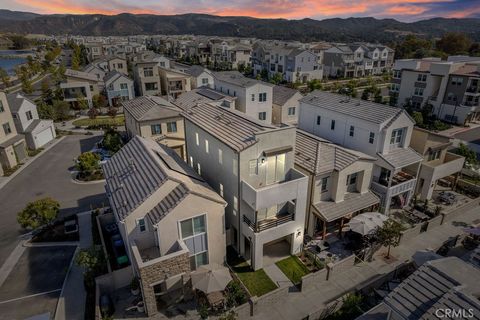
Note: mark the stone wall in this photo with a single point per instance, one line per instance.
(340, 266)
(152, 273)
(266, 301)
(410, 233)
(451, 215)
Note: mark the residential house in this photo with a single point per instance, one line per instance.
(285, 105)
(339, 183)
(190, 99)
(170, 220)
(254, 97)
(37, 132)
(80, 85)
(174, 82)
(375, 129)
(201, 77)
(450, 87)
(251, 165)
(118, 87)
(147, 78)
(156, 118)
(232, 54)
(444, 288)
(437, 162)
(13, 148)
(108, 64)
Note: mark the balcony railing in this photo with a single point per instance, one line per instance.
(401, 182)
(472, 89)
(266, 224)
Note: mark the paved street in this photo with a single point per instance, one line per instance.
(47, 176)
(472, 135)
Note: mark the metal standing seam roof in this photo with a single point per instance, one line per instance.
(318, 155)
(282, 94)
(151, 108)
(230, 127)
(357, 108)
(353, 202)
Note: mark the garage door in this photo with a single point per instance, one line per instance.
(43, 137)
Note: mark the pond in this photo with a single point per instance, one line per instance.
(9, 59)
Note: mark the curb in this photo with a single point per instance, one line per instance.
(61, 296)
(31, 160)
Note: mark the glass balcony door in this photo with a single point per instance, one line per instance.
(275, 169)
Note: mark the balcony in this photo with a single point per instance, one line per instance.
(280, 192)
(472, 89)
(401, 182)
(438, 169)
(284, 216)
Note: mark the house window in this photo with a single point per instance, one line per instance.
(371, 138)
(172, 126)
(29, 115)
(194, 235)
(418, 92)
(396, 137)
(291, 111)
(332, 125)
(141, 225)
(220, 156)
(422, 77)
(191, 161)
(324, 186)
(120, 65)
(352, 179)
(253, 97)
(2, 108)
(352, 131)
(262, 115)
(262, 97)
(123, 86)
(197, 140)
(451, 97)
(204, 81)
(220, 189)
(206, 146)
(6, 128)
(253, 167)
(434, 155)
(156, 129)
(235, 203)
(397, 74)
(319, 118)
(148, 72)
(199, 169)
(149, 86)
(457, 81)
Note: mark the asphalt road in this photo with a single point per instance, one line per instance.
(47, 176)
(472, 135)
(34, 286)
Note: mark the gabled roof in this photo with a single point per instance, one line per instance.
(366, 110)
(317, 155)
(141, 168)
(15, 101)
(196, 70)
(401, 157)
(113, 76)
(231, 127)
(150, 108)
(238, 79)
(81, 75)
(201, 95)
(282, 94)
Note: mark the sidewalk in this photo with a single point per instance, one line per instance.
(48, 146)
(277, 276)
(298, 305)
(71, 303)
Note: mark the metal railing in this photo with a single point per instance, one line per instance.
(268, 223)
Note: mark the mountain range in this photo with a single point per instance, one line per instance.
(336, 29)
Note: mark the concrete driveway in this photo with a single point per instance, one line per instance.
(47, 176)
(34, 286)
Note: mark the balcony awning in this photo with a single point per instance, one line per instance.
(275, 151)
(353, 202)
(401, 157)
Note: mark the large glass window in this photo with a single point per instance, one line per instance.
(156, 129)
(397, 136)
(194, 234)
(172, 126)
(275, 168)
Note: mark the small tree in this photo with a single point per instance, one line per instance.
(82, 103)
(99, 101)
(469, 154)
(112, 112)
(389, 234)
(88, 162)
(4, 77)
(418, 117)
(112, 140)
(62, 110)
(38, 213)
(45, 111)
(92, 113)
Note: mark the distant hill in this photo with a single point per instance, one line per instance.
(350, 29)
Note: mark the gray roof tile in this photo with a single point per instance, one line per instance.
(150, 108)
(331, 211)
(281, 94)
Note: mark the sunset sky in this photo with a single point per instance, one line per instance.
(406, 10)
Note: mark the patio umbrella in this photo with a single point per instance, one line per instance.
(422, 256)
(367, 222)
(473, 231)
(210, 278)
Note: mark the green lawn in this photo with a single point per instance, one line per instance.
(100, 121)
(257, 282)
(293, 268)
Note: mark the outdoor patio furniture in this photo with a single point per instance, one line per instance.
(216, 300)
(420, 215)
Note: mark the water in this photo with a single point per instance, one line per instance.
(9, 59)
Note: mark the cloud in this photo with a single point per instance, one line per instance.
(406, 10)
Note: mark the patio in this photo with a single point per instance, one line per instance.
(330, 250)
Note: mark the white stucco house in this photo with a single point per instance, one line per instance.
(38, 132)
(118, 87)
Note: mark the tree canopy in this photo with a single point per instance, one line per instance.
(38, 213)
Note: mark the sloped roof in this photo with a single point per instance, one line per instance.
(195, 70)
(317, 155)
(366, 110)
(282, 94)
(233, 128)
(150, 108)
(140, 168)
(401, 157)
(201, 95)
(236, 78)
(81, 75)
(15, 101)
(331, 210)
